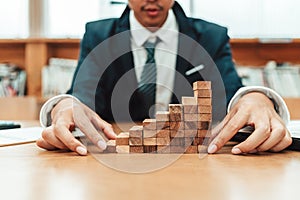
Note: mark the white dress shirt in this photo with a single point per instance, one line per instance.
(165, 55)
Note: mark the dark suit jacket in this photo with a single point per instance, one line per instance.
(103, 61)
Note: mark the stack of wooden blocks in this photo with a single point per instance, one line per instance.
(182, 129)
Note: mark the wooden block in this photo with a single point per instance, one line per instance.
(190, 133)
(204, 101)
(191, 150)
(150, 149)
(162, 125)
(149, 133)
(163, 149)
(177, 125)
(122, 139)
(188, 101)
(190, 117)
(177, 149)
(188, 141)
(149, 124)
(163, 141)
(178, 141)
(203, 133)
(205, 117)
(124, 149)
(162, 116)
(200, 85)
(163, 133)
(197, 141)
(110, 146)
(176, 133)
(176, 117)
(190, 125)
(149, 141)
(175, 108)
(135, 141)
(204, 125)
(136, 131)
(202, 93)
(192, 109)
(204, 109)
(136, 149)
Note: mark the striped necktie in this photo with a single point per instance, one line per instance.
(147, 84)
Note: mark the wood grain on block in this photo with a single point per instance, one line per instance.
(177, 133)
(204, 109)
(163, 149)
(149, 133)
(135, 141)
(175, 108)
(177, 125)
(204, 117)
(149, 141)
(178, 141)
(150, 149)
(188, 101)
(136, 149)
(122, 149)
(191, 150)
(163, 141)
(190, 133)
(202, 93)
(190, 117)
(162, 125)
(200, 85)
(190, 125)
(149, 124)
(204, 101)
(163, 133)
(110, 146)
(177, 149)
(122, 139)
(176, 117)
(136, 131)
(197, 141)
(204, 125)
(162, 116)
(204, 133)
(192, 109)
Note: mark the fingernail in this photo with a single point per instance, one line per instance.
(212, 148)
(81, 150)
(236, 150)
(253, 151)
(101, 144)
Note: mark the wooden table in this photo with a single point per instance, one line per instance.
(28, 172)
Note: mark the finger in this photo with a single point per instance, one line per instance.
(49, 136)
(229, 130)
(277, 134)
(66, 137)
(44, 144)
(104, 126)
(84, 124)
(261, 133)
(284, 143)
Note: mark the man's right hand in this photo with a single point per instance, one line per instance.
(67, 115)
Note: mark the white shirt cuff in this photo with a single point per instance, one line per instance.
(45, 118)
(280, 105)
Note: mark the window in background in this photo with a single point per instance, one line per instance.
(14, 19)
(252, 18)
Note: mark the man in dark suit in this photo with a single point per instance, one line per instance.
(104, 61)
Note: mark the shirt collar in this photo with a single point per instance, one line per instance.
(166, 33)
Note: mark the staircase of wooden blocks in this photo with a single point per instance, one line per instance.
(182, 129)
